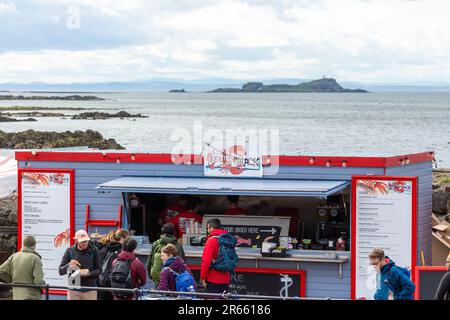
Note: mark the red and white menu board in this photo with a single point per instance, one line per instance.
(46, 213)
(383, 216)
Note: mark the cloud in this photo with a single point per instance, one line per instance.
(7, 7)
(121, 40)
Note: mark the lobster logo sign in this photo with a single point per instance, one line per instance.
(233, 162)
(399, 186)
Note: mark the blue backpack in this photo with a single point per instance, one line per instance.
(403, 270)
(227, 258)
(184, 282)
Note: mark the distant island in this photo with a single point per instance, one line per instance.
(320, 85)
(176, 90)
(72, 97)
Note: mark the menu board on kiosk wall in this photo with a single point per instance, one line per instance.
(384, 212)
(46, 212)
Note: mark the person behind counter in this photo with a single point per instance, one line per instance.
(443, 291)
(24, 266)
(154, 262)
(172, 210)
(85, 255)
(180, 221)
(233, 208)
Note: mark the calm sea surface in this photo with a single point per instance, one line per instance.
(309, 123)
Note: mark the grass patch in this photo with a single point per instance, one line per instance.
(444, 179)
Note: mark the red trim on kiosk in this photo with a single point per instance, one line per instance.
(71, 172)
(307, 161)
(301, 273)
(353, 225)
(416, 274)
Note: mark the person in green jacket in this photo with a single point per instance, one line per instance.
(24, 266)
(154, 262)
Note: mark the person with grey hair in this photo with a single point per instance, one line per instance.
(24, 267)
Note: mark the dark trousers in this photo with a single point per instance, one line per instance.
(104, 295)
(216, 288)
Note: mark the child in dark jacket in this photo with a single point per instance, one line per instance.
(171, 261)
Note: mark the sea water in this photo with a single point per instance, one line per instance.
(334, 124)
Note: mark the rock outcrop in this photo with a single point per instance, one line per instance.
(104, 115)
(7, 119)
(8, 223)
(31, 139)
(441, 194)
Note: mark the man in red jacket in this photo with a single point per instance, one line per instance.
(214, 281)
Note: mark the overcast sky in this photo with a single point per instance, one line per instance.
(388, 41)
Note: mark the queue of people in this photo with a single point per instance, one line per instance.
(113, 258)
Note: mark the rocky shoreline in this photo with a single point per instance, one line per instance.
(441, 194)
(95, 115)
(70, 98)
(27, 108)
(31, 139)
(8, 221)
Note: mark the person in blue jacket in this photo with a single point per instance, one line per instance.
(390, 278)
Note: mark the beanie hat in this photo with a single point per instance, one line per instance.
(29, 241)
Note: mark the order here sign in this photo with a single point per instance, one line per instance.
(384, 213)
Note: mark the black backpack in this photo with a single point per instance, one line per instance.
(121, 278)
(104, 280)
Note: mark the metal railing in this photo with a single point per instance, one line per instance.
(139, 293)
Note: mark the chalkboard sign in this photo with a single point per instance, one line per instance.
(266, 282)
(427, 281)
(253, 236)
